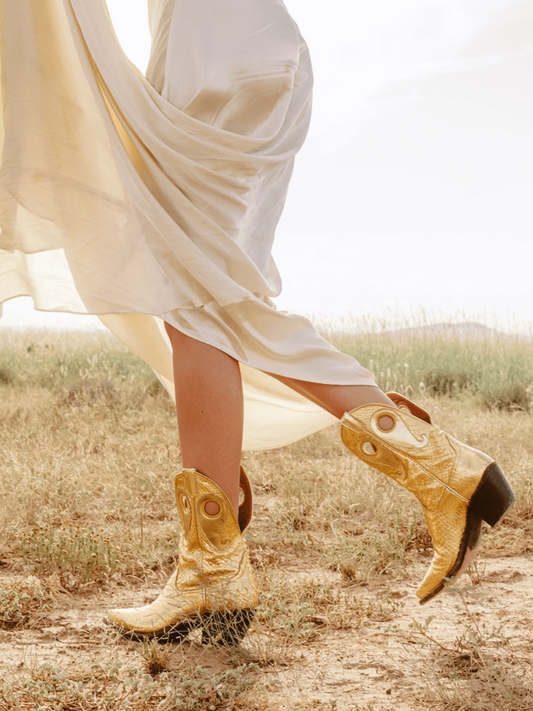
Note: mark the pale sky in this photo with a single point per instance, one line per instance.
(414, 187)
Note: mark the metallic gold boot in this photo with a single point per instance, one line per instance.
(214, 585)
(458, 486)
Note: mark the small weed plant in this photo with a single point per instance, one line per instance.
(21, 601)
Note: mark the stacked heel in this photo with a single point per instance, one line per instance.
(493, 496)
(226, 628)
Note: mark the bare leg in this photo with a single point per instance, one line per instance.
(338, 399)
(210, 408)
(209, 405)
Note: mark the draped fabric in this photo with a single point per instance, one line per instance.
(143, 199)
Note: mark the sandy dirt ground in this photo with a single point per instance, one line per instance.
(380, 662)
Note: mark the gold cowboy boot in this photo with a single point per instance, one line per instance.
(214, 585)
(458, 486)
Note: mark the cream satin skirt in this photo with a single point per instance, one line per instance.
(152, 199)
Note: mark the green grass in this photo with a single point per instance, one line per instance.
(497, 372)
(77, 368)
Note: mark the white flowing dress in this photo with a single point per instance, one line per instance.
(152, 199)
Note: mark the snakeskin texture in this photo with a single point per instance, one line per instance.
(440, 471)
(214, 572)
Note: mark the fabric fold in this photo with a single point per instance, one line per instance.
(159, 196)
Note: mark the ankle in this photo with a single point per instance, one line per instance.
(371, 395)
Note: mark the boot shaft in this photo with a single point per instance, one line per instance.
(414, 452)
(213, 556)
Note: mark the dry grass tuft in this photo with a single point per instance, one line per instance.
(155, 657)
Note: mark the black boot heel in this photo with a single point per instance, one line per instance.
(226, 628)
(493, 496)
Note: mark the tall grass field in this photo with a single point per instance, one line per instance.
(88, 452)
